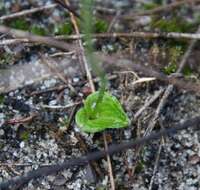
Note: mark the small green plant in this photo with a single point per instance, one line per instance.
(38, 30)
(19, 23)
(107, 114)
(63, 29)
(174, 54)
(187, 71)
(101, 110)
(169, 69)
(175, 24)
(100, 26)
(25, 135)
(149, 6)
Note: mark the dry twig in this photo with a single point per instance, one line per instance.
(45, 40)
(49, 41)
(156, 163)
(150, 35)
(148, 103)
(27, 12)
(60, 107)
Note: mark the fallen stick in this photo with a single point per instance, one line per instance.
(49, 41)
(147, 35)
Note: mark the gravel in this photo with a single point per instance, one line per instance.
(48, 139)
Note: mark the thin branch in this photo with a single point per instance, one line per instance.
(49, 41)
(148, 103)
(27, 12)
(146, 35)
(112, 181)
(60, 107)
(67, 7)
(156, 163)
(150, 35)
(80, 161)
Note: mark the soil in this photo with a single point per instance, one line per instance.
(35, 133)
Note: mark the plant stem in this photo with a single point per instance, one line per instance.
(94, 62)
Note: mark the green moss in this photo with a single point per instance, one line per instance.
(38, 30)
(25, 135)
(169, 69)
(175, 24)
(5, 59)
(139, 167)
(100, 26)
(150, 5)
(174, 54)
(63, 29)
(19, 23)
(187, 71)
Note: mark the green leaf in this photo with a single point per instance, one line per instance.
(108, 113)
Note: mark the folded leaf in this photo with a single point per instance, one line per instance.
(108, 113)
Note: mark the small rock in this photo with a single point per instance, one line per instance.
(195, 159)
(22, 144)
(2, 132)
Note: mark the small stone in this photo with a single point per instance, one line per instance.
(52, 102)
(22, 144)
(195, 159)
(2, 132)
(76, 79)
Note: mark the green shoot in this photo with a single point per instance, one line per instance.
(101, 110)
(87, 26)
